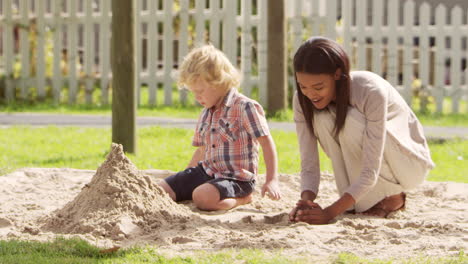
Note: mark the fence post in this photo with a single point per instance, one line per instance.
(392, 45)
(8, 51)
(423, 55)
(123, 73)
(439, 71)
(455, 62)
(262, 52)
(57, 74)
(183, 41)
(89, 55)
(361, 21)
(246, 48)
(377, 20)
(277, 57)
(25, 49)
(152, 53)
(168, 57)
(408, 52)
(104, 51)
(41, 52)
(72, 50)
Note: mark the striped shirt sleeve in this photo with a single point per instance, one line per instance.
(254, 121)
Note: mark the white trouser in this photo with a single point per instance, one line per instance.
(398, 172)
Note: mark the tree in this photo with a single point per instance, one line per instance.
(277, 94)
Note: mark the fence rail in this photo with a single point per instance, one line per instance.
(60, 48)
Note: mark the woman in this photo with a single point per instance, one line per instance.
(373, 138)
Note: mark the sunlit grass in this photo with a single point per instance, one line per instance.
(347, 258)
(86, 148)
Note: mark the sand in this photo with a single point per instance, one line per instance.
(119, 205)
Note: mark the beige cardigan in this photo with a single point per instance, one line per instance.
(388, 118)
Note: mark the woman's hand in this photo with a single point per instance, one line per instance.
(314, 214)
(311, 213)
(300, 206)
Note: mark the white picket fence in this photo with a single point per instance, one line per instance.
(70, 54)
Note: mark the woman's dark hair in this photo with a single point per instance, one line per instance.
(319, 55)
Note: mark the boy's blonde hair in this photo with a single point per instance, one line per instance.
(210, 64)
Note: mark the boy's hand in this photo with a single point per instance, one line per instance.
(272, 189)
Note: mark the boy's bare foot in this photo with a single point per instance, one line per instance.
(387, 205)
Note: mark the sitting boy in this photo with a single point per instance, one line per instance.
(221, 174)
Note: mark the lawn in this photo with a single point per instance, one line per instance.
(86, 148)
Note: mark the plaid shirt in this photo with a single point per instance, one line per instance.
(230, 135)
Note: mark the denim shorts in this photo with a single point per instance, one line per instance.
(184, 182)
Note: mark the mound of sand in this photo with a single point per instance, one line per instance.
(118, 205)
(118, 202)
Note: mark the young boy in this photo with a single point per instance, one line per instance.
(221, 174)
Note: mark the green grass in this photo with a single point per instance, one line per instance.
(79, 251)
(86, 148)
(451, 158)
(346, 258)
(191, 110)
(66, 251)
(58, 251)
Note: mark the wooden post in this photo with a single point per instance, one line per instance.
(277, 84)
(123, 74)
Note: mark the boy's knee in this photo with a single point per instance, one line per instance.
(206, 197)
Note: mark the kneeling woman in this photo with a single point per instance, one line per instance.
(373, 138)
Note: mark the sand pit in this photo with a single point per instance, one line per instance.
(119, 205)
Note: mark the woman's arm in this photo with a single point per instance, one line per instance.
(310, 166)
(308, 195)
